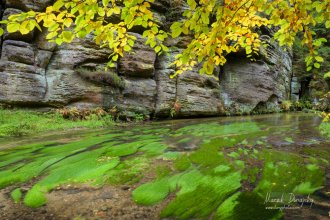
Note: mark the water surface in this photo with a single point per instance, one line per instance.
(252, 167)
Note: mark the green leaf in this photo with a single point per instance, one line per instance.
(31, 13)
(127, 48)
(36, 24)
(105, 2)
(319, 8)
(115, 57)
(1, 32)
(101, 12)
(326, 75)
(13, 27)
(192, 4)
(59, 4)
(130, 42)
(205, 18)
(164, 48)
(327, 24)
(82, 34)
(111, 64)
(51, 35)
(176, 29)
(317, 65)
(157, 49)
(59, 41)
(319, 59)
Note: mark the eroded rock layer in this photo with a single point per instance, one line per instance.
(36, 73)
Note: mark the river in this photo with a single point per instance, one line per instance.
(250, 167)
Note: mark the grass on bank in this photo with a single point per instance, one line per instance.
(325, 128)
(21, 122)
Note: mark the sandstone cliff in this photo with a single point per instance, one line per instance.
(35, 73)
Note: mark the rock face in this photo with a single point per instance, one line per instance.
(36, 73)
(257, 86)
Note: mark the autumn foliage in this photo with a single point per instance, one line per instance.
(218, 27)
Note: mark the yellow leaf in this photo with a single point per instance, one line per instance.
(49, 9)
(51, 35)
(23, 29)
(67, 36)
(116, 10)
(68, 22)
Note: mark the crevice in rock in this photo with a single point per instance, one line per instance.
(290, 82)
(2, 9)
(45, 75)
(176, 88)
(221, 74)
(267, 106)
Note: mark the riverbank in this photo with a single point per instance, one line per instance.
(17, 123)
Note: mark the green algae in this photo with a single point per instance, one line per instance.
(170, 155)
(16, 195)
(129, 171)
(162, 171)
(226, 209)
(222, 169)
(216, 129)
(151, 193)
(121, 150)
(205, 181)
(153, 149)
(284, 172)
(204, 176)
(200, 201)
(84, 169)
(289, 140)
(245, 206)
(95, 159)
(182, 163)
(36, 197)
(207, 156)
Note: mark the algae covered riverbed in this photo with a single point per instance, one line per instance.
(256, 167)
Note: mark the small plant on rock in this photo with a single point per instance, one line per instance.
(286, 105)
(139, 117)
(175, 109)
(101, 77)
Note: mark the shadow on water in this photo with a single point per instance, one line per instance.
(251, 167)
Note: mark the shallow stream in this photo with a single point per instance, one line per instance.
(252, 167)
